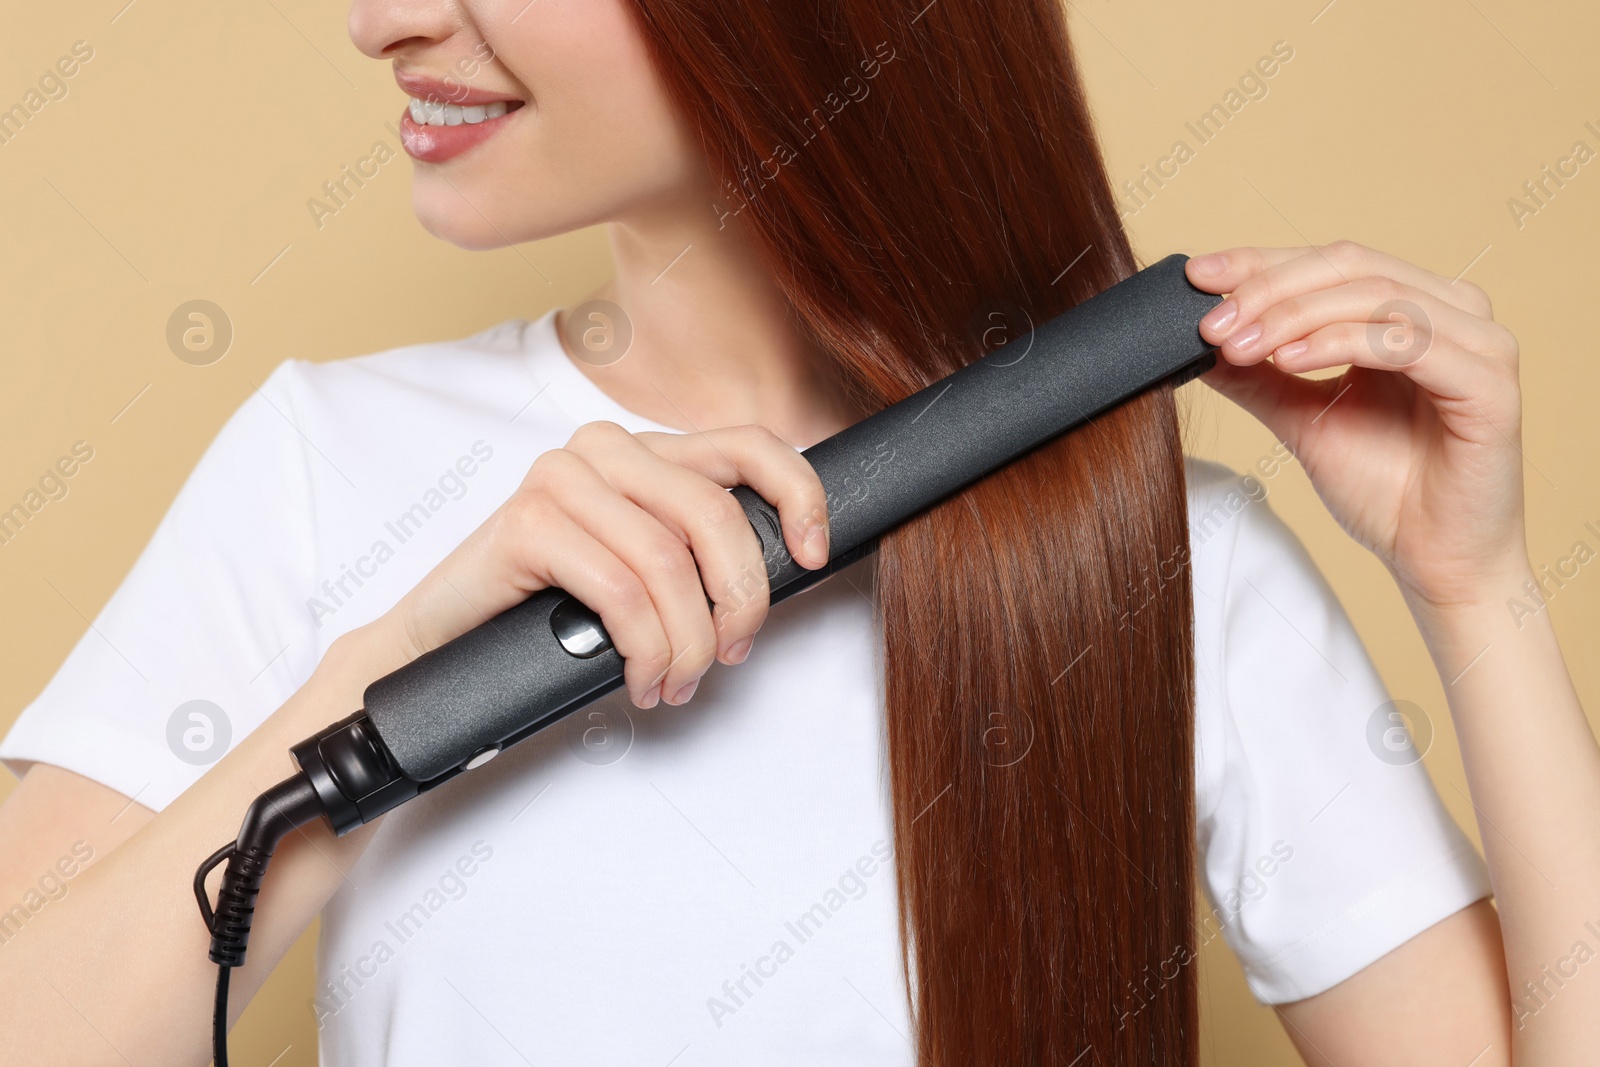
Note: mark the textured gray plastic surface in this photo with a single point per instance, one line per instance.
(510, 676)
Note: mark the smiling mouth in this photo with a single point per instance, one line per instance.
(439, 113)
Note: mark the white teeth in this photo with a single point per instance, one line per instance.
(438, 113)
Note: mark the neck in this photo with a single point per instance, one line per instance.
(713, 339)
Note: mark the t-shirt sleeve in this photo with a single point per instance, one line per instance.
(208, 633)
(1322, 842)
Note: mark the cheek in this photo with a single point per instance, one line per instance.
(598, 138)
(600, 108)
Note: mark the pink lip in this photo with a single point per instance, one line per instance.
(435, 144)
(447, 92)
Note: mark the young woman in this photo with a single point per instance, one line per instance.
(1100, 673)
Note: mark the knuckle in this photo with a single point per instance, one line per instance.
(718, 510)
(1382, 289)
(1512, 383)
(1478, 297)
(753, 436)
(1506, 345)
(1247, 258)
(595, 434)
(1287, 314)
(626, 590)
(1344, 252)
(658, 442)
(1252, 296)
(528, 509)
(548, 468)
(1341, 337)
(670, 558)
(1256, 295)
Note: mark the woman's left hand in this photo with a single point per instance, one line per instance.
(1414, 448)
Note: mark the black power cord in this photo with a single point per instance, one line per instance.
(291, 803)
(219, 1019)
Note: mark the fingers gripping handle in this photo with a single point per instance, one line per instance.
(528, 667)
(548, 656)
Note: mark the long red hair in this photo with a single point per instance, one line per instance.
(905, 174)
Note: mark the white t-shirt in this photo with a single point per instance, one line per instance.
(709, 883)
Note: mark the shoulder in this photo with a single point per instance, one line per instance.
(368, 426)
(470, 371)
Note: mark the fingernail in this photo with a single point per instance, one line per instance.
(1210, 265)
(652, 696)
(685, 693)
(740, 649)
(816, 543)
(1221, 317)
(1246, 338)
(1293, 349)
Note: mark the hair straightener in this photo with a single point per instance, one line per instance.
(455, 708)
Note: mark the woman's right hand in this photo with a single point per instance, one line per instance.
(640, 528)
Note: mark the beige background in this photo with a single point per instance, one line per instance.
(181, 160)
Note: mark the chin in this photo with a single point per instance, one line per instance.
(447, 215)
(463, 218)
